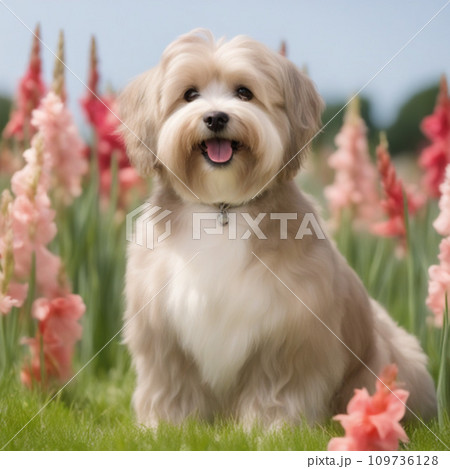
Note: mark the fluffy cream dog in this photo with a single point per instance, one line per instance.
(240, 326)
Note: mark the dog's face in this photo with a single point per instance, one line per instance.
(222, 118)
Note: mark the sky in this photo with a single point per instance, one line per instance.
(346, 45)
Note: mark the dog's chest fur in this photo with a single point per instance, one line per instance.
(222, 305)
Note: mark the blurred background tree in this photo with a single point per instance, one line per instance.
(404, 135)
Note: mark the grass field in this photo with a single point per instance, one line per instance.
(95, 414)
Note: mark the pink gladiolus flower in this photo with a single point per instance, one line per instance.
(34, 218)
(33, 228)
(393, 204)
(13, 297)
(355, 182)
(31, 89)
(34, 176)
(372, 423)
(55, 162)
(33, 222)
(62, 145)
(442, 222)
(439, 282)
(58, 332)
(110, 144)
(439, 286)
(12, 294)
(436, 127)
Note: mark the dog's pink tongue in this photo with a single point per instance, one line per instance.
(219, 150)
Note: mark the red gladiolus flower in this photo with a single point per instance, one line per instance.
(31, 89)
(436, 156)
(372, 423)
(393, 204)
(101, 112)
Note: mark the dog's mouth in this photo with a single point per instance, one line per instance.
(219, 151)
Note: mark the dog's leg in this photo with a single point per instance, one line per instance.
(283, 385)
(168, 387)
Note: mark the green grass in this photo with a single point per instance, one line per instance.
(95, 414)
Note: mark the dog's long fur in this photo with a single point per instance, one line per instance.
(217, 333)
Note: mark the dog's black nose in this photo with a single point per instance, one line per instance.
(215, 121)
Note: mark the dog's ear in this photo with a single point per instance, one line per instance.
(138, 110)
(303, 107)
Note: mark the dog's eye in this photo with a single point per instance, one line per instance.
(244, 93)
(191, 94)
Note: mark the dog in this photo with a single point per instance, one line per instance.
(242, 318)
